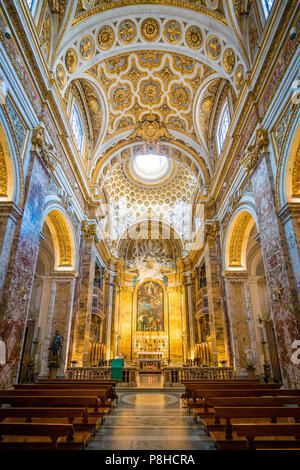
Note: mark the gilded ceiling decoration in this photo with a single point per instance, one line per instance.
(3, 173)
(71, 60)
(239, 76)
(206, 106)
(135, 83)
(150, 29)
(60, 76)
(161, 251)
(296, 175)
(212, 8)
(86, 47)
(193, 37)
(171, 203)
(105, 37)
(126, 155)
(94, 107)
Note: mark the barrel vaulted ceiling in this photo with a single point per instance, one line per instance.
(149, 75)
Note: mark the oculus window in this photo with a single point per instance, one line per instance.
(151, 167)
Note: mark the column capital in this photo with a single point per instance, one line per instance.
(236, 275)
(10, 209)
(291, 210)
(256, 151)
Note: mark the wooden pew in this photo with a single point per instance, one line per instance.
(193, 389)
(106, 382)
(225, 418)
(204, 408)
(100, 394)
(105, 392)
(90, 402)
(201, 382)
(79, 417)
(244, 402)
(17, 436)
(275, 435)
(111, 395)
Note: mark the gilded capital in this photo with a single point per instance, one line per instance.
(255, 152)
(211, 230)
(45, 150)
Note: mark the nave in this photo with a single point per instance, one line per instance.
(153, 420)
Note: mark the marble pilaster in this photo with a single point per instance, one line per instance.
(238, 305)
(189, 315)
(9, 216)
(216, 316)
(278, 269)
(20, 273)
(109, 315)
(83, 317)
(290, 216)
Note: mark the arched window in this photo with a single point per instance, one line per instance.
(77, 127)
(267, 5)
(31, 5)
(223, 126)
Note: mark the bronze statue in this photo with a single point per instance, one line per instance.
(56, 347)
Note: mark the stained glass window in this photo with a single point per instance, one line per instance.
(77, 127)
(223, 126)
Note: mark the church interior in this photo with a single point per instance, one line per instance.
(150, 221)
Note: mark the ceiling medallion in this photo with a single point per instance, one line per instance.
(228, 60)
(193, 37)
(239, 76)
(213, 47)
(150, 130)
(173, 31)
(150, 29)
(71, 60)
(60, 76)
(86, 47)
(127, 31)
(106, 37)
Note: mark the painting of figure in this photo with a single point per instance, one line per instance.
(150, 307)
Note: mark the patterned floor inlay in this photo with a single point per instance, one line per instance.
(150, 421)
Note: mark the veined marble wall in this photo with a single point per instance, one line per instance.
(17, 290)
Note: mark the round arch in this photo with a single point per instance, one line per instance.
(11, 171)
(64, 238)
(236, 238)
(288, 165)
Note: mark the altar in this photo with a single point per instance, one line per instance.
(150, 361)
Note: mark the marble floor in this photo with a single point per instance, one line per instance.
(150, 421)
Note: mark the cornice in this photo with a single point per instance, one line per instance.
(171, 3)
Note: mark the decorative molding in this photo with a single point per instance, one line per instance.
(256, 151)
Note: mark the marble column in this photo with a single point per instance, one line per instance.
(278, 269)
(20, 273)
(84, 313)
(290, 216)
(9, 216)
(238, 308)
(190, 314)
(216, 316)
(109, 315)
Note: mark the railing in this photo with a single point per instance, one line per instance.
(102, 373)
(174, 375)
